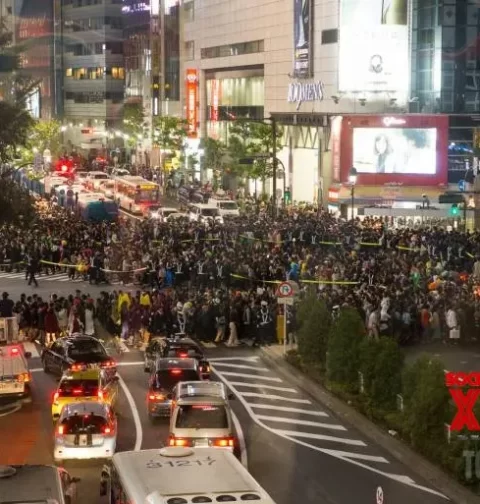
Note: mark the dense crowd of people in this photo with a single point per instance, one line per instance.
(219, 281)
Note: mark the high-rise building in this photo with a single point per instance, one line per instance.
(93, 69)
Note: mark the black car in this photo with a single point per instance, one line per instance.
(166, 373)
(76, 354)
(179, 348)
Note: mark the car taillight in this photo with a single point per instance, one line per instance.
(77, 367)
(14, 351)
(182, 355)
(224, 442)
(61, 430)
(173, 441)
(156, 397)
(23, 377)
(56, 396)
(100, 395)
(108, 364)
(175, 371)
(77, 391)
(108, 431)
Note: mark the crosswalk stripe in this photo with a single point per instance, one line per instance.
(287, 409)
(311, 435)
(262, 386)
(244, 375)
(356, 456)
(28, 346)
(208, 344)
(12, 275)
(301, 422)
(241, 366)
(275, 397)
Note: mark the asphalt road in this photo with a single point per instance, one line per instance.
(293, 446)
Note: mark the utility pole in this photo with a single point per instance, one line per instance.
(273, 122)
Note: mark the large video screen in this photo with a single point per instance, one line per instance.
(395, 150)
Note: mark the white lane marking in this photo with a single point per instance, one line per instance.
(119, 364)
(262, 386)
(241, 440)
(311, 435)
(289, 410)
(14, 409)
(36, 370)
(302, 422)
(334, 453)
(136, 416)
(245, 375)
(28, 346)
(240, 366)
(123, 347)
(244, 359)
(360, 456)
(208, 344)
(274, 397)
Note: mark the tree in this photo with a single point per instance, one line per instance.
(15, 127)
(345, 338)
(46, 135)
(214, 158)
(16, 204)
(169, 133)
(314, 322)
(134, 123)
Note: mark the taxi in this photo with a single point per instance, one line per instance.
(92, 385)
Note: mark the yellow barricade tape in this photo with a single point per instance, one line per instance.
(367, 244)
(339, 282)
(470, 255)
(87, 266)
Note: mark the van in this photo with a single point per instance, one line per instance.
(204, 213)
(15, 377)
(95, 179)
(37, 483)
(225, 207)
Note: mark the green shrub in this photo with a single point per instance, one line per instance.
(427, 405)
(346, 336)
(313, 321)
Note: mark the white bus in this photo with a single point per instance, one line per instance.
(177, 475)
(134, 194)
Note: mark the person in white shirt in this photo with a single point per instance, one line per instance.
(452, 324)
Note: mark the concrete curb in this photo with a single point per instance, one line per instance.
(404, 454)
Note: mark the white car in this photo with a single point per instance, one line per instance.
(176, 215)
(85, 430)
(120, 172)
(161, 213)
(200, 212)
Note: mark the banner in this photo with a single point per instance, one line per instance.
(192, 98)
(302, 39)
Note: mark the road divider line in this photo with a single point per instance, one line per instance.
(254, 377)
(240, 366)
(262, 386)
(302, 422)
(289, 410)
(133, 363)
(136, 416)
(274, 397)
(311, 435)
(254, 358)
(28, 346)
(358, 456)
(9, 411)
(241, 440)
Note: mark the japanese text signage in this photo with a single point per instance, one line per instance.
(464, 400)
(192, 98)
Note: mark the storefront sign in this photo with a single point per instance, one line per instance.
(393, 121)
(305, 92)
(215, 99)
(192, 96)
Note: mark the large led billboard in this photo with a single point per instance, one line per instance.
(395, 150)
(373, 46)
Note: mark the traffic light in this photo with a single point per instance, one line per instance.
(454, 210)
(287, 196)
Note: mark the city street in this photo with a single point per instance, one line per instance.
(295, 448)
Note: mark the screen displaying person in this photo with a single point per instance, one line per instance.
(384, 155)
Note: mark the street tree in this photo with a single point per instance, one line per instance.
(215, 152)
(16, 205)
(134, 123)
(169, 134)
(46, 135)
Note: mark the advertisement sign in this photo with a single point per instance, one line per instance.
(465, 402)
(215, 90)
(373, 52)
(299, 92)
(413, 150)
(192, 98)
(302, 39)
(336, 129)
(32, 103)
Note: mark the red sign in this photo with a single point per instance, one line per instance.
(336, 129)
(192, 98)
(407, 149)
(34, 27)
(465, 417)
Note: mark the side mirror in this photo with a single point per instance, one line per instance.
(103, 488)
(28, 355)
(231, 396)
(75, 480)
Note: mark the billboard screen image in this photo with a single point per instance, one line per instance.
(302, 38)
(373, 45)
(395, 150)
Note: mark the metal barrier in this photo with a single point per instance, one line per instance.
(9, 332)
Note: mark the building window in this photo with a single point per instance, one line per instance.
(69, 72)
(79, 73)
(330, 36)
(189, 10)
(118, 73)
(253, 47)
(190, 50)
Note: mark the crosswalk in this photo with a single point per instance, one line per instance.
(286, 412)
(57, 277)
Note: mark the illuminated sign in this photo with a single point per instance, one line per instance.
(305, 92)
(137, 7)
(33, 27)
(192, 96)
(215, 99)
(393, 121)
(373, 50)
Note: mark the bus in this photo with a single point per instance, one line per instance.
(178, 475)
(135, 194)
(94, 207)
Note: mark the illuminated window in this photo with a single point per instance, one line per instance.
(256, 46)
(69, 72)
(118, 73)
(80, 73)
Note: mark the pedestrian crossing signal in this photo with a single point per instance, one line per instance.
(454, 210)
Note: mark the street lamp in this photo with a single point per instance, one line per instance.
(352, 178)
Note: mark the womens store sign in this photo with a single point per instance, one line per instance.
(299, 92)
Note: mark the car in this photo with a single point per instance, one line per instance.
(201, 416)
(95, 179)
(177, 216)
(93, 385)
(165, 375)
(76, 353)
(120, 172)
(204, 213)
(161, 213)
(85, 430)
(15, 376)
(179, 348)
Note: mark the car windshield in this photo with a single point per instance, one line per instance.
(78, 388)
(83, 348)
(84, 424)
(202, 416)
(169, 212)
(100, 177)
(168, 378)
(229, 205)
(209, 212)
